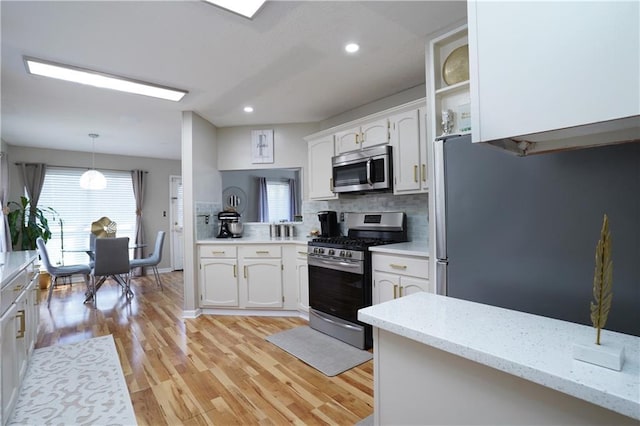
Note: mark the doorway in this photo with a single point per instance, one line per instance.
(177, 223)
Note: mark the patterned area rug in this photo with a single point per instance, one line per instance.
(79, 383)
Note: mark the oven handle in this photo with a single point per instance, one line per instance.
(339, 324)
(369, 181)
(333, 263)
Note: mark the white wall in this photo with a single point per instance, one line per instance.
(201, 183)
(156, 200)
(290, 149)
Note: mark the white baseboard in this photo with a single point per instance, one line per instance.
(191, 314)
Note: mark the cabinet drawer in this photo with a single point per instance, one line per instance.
(218, 251)
(261, 251)
(11, 291)
(402, 265)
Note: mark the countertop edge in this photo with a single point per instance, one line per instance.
(5, 279)
(598, 396)
(235, 241)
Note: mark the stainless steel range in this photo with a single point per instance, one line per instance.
(340, 274)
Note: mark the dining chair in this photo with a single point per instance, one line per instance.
(153, 260)
(111, 260)
(60, 271)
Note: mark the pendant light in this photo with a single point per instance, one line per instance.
(93, 179)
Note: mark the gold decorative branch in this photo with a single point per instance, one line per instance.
(602, 280)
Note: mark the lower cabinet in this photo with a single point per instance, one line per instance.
(261, 276)
(219, 276)
(397, 275)
(19, 318)
(302, 278)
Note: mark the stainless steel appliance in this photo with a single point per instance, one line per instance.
(329, 224)
(229, 225)
(369, 169)
(340, 274)
(521, 233)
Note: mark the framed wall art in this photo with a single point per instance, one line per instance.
(262, 146)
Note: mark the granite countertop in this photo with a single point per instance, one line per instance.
(13, 262)
(529, 346)
(410, 248)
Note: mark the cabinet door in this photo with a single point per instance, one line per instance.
(219, 282)
(302, 275)
(374, 133)
(263, 283)
(385, 286)
(410, 285)
(320, 173)
(405, 139)
(8, 361)
(555, 81)
(22, 344)
(348, 140)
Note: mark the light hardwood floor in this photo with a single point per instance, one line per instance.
(209, 370)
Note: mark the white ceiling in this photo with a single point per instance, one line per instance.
(288, 63)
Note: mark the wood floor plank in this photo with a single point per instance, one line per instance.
(211, 370)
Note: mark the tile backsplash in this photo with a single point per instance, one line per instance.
(415, 206)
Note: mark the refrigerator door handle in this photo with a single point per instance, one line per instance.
(441, 277)
(440, 200)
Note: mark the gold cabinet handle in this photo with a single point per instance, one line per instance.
(415, 172)
(424, 172)
(19, 287)
(357, 138)
(395, 291)
(400, 290)
(21, 315)
(331, 184)
(362, 137)
(217, 252)
(245, 271)
(302, 253)
(396, 266)
(235, 271)
(262, 251)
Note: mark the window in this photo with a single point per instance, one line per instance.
(279, 201)
(78, 207)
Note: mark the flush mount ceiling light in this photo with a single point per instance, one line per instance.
(93, 179)
(99, 79)
(246, 8)
(352, 48)
(248, 109)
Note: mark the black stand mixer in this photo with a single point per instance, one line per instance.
(230, 226)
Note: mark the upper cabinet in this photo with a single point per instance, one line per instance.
(554, 75)
(321, 150)
(408, 140)
(363, 136)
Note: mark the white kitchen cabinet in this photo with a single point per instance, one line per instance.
(408, 139)
(396, 276)
(365, 135)
(302, 278)
(551, 75)
(320, 174)
(219, 276)
(9, 361)
(261, 276)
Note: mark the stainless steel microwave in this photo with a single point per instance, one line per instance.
(369, 169)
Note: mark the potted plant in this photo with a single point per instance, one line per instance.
(27, 223)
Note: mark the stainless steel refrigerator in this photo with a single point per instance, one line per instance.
(521, 232)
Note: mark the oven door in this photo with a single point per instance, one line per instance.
(336, 287)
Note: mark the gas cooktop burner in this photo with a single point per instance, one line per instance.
(347, 242)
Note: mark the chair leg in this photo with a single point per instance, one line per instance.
(157, 275)
(51, 285)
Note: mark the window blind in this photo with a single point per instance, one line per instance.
(78, 208)
(279, 201)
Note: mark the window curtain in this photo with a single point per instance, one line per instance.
(5, 233)
(138, 180)
(33, 177)
(293, 200)
(263, 200)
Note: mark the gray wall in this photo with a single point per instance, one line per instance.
(157, 189)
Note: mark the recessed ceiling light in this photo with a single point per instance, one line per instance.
(99, 79)
(352, 48)
(246, 8)
(248, 109)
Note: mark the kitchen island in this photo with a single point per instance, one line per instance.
(440, 360)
